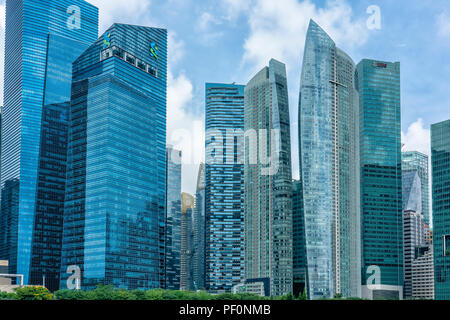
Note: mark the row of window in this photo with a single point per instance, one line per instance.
(115, 51)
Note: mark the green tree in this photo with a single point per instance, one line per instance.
(33, 293)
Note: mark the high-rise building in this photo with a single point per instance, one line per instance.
(173, 215)
(440, 163)
(411, 191)
(224, 186)
(299, 244)
(378, 84)
(413, 238)
(268, 180)
(43, 38)
(186, 261)
(413, 161)
(198, 225)
(423, 274)
(116, 169)
(329, 167)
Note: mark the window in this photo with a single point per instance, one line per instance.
(446, 245)
(130, 59)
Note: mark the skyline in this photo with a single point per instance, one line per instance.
(89, 175)
(231, 31)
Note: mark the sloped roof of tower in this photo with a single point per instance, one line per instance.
(201, 177)
(314, 29)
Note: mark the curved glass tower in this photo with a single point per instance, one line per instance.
(329, 167)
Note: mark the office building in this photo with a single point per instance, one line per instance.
(423, 274)
(299, 250)
(413, 238)
(413, 161)
(378, 84)
(198, 225)
(116, 169)
(268, 180)
(224, 186)
(440, 164)
(186, 266)
(42, 40)
(173, 215)
(329, 167)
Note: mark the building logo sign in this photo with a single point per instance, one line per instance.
(379, 65)
(107, 40)
(154, 50)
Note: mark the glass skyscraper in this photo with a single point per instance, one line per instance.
(43, 38)
(186, 243)
(224, 186)
(329, 167)
(440, 164)
(116, 168)
(173, 227)
(381, 178)
(298, 230)
(198, 225)
(268, 181)
(413, 161)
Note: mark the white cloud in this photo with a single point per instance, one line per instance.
(205, 20)
(234, 7)
(278, 28)
(129, 11)
(184, 127)
(443, 24)
(417, 138)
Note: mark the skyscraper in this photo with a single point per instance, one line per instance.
(43, 38)
(381, 178)
(413, 239)
(413, 161)
(116, 172)
(198, 225)
(186, 243)
(329, 167)
(299, 244)
(173, 215)
(268, 180)
(440, 163)
(224, 192)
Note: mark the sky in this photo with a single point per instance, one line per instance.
(230, 40)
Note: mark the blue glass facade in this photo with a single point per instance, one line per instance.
(413, 161)
(329, 167)
(116, 168)
(224, 198)
(440, 164)
(173, 227)
(199, 225)
(299, 242)
(381, 172)
(37, 90)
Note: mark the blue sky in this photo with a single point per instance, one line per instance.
(229, 40)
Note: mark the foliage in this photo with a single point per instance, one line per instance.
(7, 296)
(103, 292)
(108, 292)
(33, 293)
